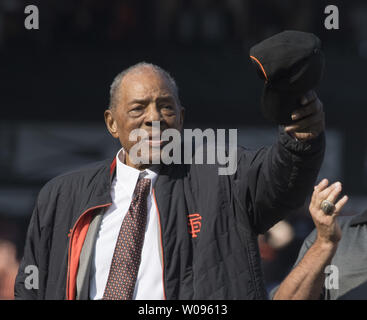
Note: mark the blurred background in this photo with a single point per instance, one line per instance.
(54, 87)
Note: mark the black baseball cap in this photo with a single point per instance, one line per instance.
(291, 63)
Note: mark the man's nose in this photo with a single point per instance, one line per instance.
(153, 114)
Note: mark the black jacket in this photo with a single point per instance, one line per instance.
(217, 258)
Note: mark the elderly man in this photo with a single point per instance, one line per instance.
(123, 229)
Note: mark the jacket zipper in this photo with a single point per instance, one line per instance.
(160, 233)
(71, 239)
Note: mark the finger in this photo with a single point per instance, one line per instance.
(313, 132)
(330, 194)
(305, 111)
(340, 204)
(303, 136)
(333, 195)
(322, 185)
(308, 97)
(305, 123)
(318, 127)
(325, 193)
(318, 188)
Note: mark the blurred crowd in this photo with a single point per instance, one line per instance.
(10, 244)
(176, 22)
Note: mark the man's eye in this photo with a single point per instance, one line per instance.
(137, 109)
(169, 107)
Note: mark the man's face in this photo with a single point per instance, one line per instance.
(144, 96)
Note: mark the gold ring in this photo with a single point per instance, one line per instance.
(327, 207)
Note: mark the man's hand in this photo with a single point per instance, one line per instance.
(306, 280)
(328, 230)
(308, 121)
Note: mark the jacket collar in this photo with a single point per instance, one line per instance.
(99, 192)
(112, 169)
(359, 219)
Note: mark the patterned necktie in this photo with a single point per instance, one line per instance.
(127, 255)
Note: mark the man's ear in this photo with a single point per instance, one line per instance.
(111, 123)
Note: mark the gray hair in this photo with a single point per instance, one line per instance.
(118, 79)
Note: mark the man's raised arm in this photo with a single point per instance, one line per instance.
(275, 181)
(305, 281)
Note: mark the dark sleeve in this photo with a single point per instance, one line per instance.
(32, 273)
(30, 258)
(273, 182)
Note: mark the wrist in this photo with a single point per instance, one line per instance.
(327, 245)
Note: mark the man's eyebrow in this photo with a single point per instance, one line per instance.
(168, 98)
(165, 98)
(140, 101)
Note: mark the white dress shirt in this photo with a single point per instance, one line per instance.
(149, 284)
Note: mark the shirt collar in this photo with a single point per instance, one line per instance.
(128, 176)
